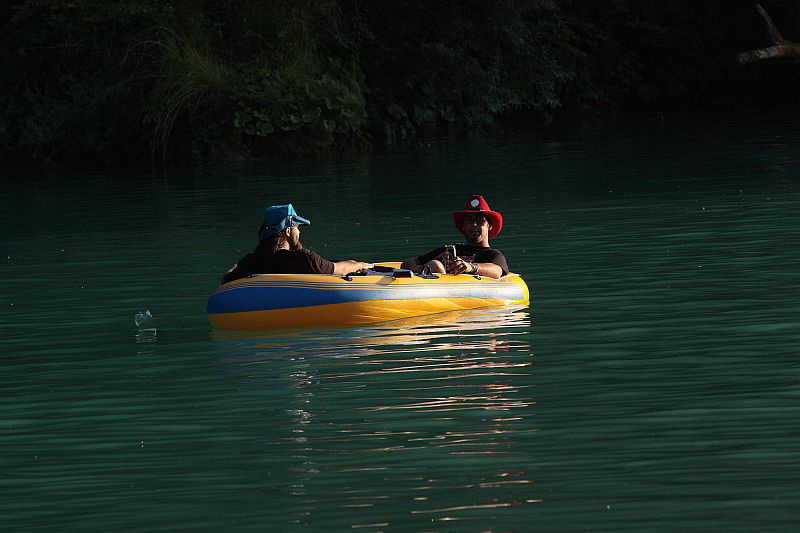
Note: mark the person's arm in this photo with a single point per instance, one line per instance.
(320, 265)
(488, 270)
(242, 269)
(231, 274)
(415, 264)
(340, 268)
(412, 264)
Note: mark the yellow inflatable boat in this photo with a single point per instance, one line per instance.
(272, 301)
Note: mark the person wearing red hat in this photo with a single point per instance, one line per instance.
(279, 250)
(478, 223)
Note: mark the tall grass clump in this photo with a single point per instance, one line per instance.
(253, 81)
(192, 83)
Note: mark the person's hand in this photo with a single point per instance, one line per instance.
(459, 266)
(359, 265)
(340, 268)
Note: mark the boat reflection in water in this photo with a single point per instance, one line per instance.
(435, 410)
(490, 329)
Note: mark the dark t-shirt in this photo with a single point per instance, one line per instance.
(279, 262)
(472, 254)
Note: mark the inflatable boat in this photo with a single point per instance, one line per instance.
(386, 292)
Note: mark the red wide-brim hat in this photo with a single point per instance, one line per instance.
(476, 204)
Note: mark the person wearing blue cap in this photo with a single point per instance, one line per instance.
(279, 250)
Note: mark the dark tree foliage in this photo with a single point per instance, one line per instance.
(462, 61)
(112, 80)
(66, 89)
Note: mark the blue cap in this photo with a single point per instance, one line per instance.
(278, 218)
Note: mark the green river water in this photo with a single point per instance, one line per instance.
(652, 385)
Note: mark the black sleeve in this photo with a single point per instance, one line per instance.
(493, 256)
(433, 254)
(242, 269)
(316, 264)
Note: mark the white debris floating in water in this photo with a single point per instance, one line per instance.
(145, 325)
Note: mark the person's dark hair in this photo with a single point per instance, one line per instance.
(272, 243)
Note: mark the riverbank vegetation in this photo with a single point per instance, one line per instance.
(145, 80)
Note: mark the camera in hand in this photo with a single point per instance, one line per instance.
(449, 255)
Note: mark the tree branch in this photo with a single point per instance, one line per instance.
(774, 34)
